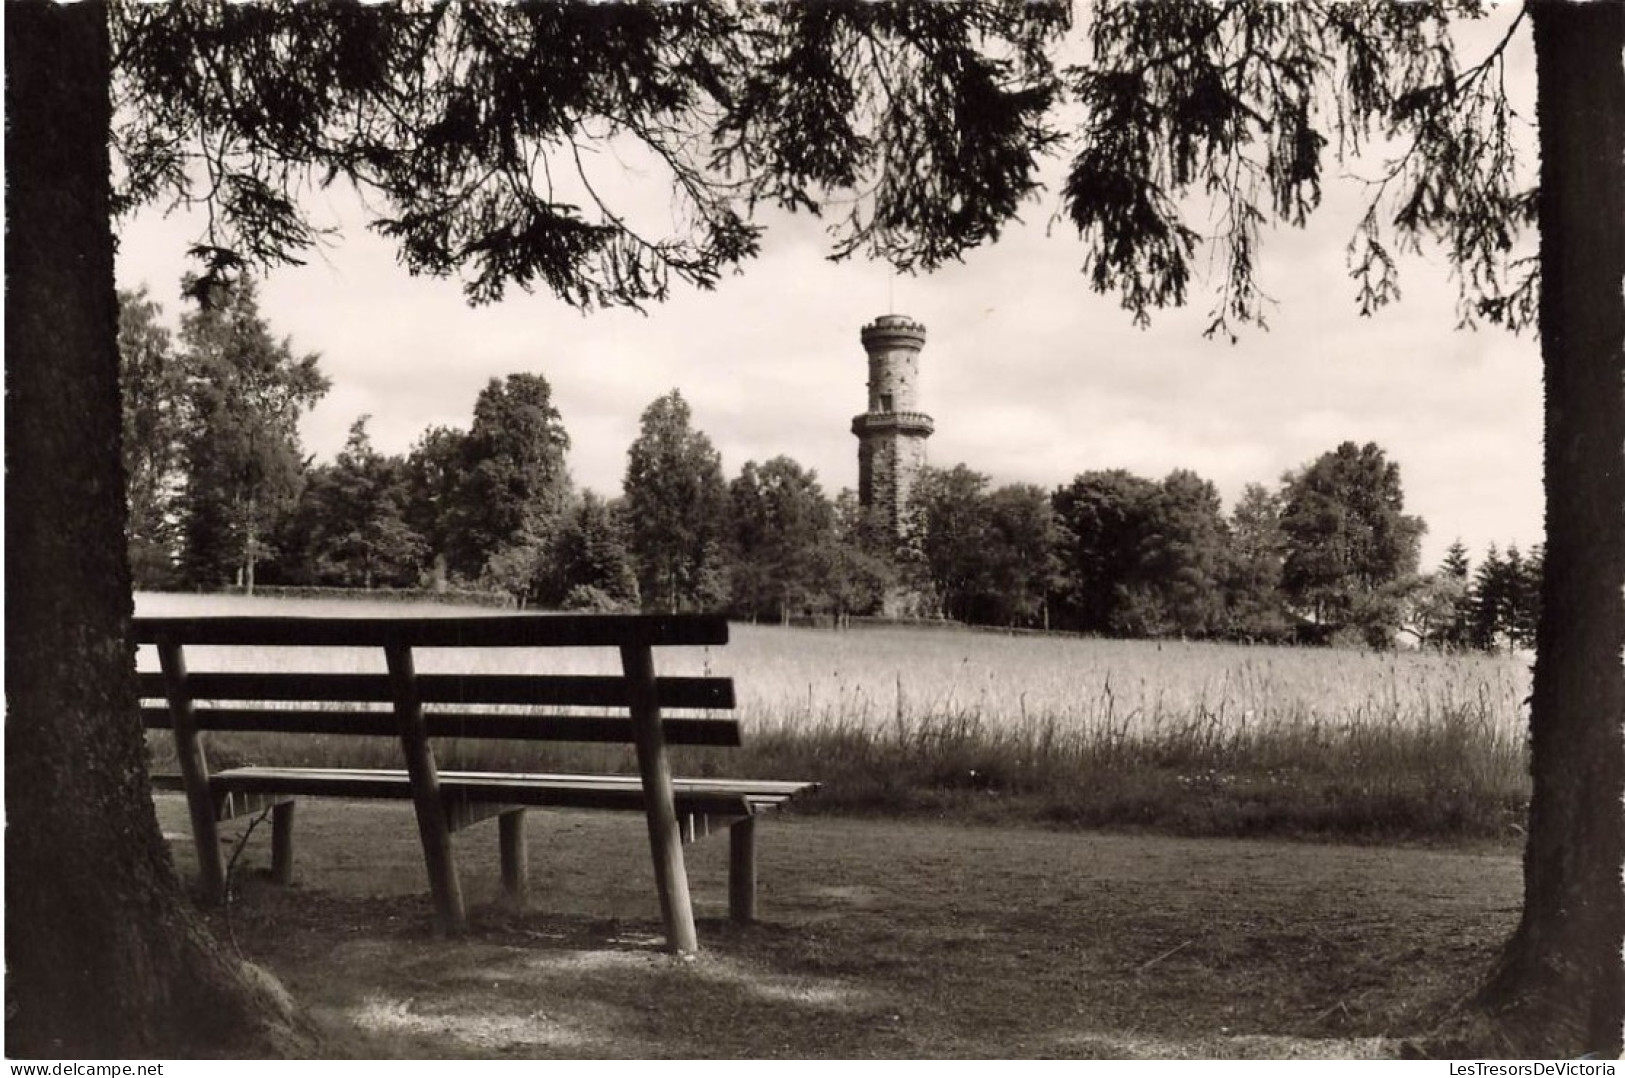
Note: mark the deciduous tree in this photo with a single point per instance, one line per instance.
(1185, 553)
(350, 528)
(1025, 569)
(1104, 515)
(588, 565)
(780, 521)
(513, 485)
(1427, 605)
(676, 510)
(1143, 558)
(946, 527)
(241, 455)
(988, 557)
(434, 478)
(1348, 539)
(152, 386)
(1255, 605)
(859, 566)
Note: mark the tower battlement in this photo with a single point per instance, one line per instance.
(894, 327)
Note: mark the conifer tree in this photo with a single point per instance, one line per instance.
(350, 529)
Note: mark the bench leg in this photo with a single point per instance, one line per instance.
(282, 842)
(194, 765)
(515, 869)
(742, 871)
(433, 830)
(660, 811)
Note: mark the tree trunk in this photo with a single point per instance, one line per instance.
(105, 956)
(250, 550)
(1559, 989)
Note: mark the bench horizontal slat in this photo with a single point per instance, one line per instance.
(512, 630)
(455, 724)
(574, 690)
(701, 796)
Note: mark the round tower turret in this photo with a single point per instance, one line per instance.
(892, 433)
(893, 342)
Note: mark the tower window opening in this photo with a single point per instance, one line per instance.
(885, 402)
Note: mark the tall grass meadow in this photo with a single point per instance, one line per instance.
(1190, 738)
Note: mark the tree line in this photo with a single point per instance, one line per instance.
(222, 494)
(1328, 555)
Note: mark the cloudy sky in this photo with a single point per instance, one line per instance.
(1029, 376)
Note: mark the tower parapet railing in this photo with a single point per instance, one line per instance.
(906, 422)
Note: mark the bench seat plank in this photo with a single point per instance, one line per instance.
(714, 797)
(755, 788)
(230, 804)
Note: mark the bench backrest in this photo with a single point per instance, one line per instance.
(638, 694)
(448, 704)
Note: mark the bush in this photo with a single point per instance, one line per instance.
(586, 599)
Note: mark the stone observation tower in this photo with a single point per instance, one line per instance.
(891, 434)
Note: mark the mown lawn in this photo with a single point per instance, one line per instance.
(878, 939)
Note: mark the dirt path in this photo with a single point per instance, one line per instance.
(879, 939)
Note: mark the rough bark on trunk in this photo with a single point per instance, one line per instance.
(104, 955)
(1559, 989)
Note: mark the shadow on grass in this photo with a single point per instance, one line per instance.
(883, 939)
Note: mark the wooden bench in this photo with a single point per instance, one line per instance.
(417, 708)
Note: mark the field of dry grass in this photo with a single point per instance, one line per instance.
(1189, 738)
